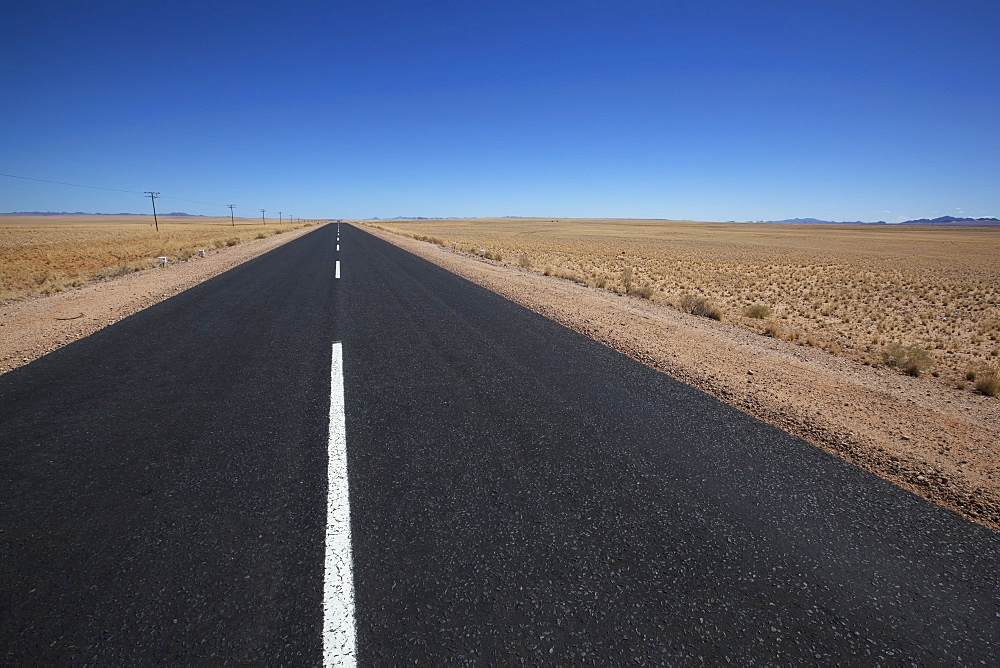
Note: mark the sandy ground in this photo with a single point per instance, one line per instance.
(938, 442)
(33, 327)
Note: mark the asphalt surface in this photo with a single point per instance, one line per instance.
(519, 494)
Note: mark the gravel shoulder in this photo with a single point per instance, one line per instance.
(36, 326)
(939, 443)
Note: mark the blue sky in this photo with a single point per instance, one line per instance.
(710, 110)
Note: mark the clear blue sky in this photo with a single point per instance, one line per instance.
(711, 110)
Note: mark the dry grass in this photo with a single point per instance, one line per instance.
(853, 290)
(46, 254)
(988, 381)
(914, 360)
(700, 306)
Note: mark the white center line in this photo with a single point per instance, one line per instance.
(338, 246)
(337, 270)
(339, 638)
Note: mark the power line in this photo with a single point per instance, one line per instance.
(117, 190)
(77, 185)
(147, 193)
(188, 200)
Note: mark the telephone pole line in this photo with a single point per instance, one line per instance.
(262, 216)
(152, 198)
(231, 214)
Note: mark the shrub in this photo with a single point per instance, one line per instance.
(232, 242)
(645, 291)
(700, 306)
(524, 261)
(914, 360)
(759, 311)
(774, 329)
(627, 279)
(988, 381)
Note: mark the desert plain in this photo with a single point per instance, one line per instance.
(46, 254)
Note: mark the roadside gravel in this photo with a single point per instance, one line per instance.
(939, 443)
(33, 327)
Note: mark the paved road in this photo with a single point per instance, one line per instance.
(518, 493)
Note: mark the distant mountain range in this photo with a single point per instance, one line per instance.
(84, 213)
(951, 220)
(943, 220)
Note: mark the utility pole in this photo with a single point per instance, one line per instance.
(262, 216)
(279, 218)
(231, 214)
(152, 198)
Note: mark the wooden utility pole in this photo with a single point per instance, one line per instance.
(152, 198)
(231, 214)
(262, 216)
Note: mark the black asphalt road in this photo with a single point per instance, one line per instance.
(520, 494)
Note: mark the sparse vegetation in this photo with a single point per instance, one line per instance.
(645, 291)
(771, 328)
(700, 306)
(43, 255)
(914, 360)
(758, 311)
(988, 381)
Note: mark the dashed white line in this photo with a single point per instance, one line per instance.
(339, 636)
(338, 246)
(337, 270)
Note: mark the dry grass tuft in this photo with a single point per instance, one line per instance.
(988, 381)
(700, 306)
(758, 311)
(645, 291)
(914, 360)
(771, 328)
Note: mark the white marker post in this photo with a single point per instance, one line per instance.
(339, 635)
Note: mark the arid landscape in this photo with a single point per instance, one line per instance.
(809, 328)
(49, 254)
(923, 299)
